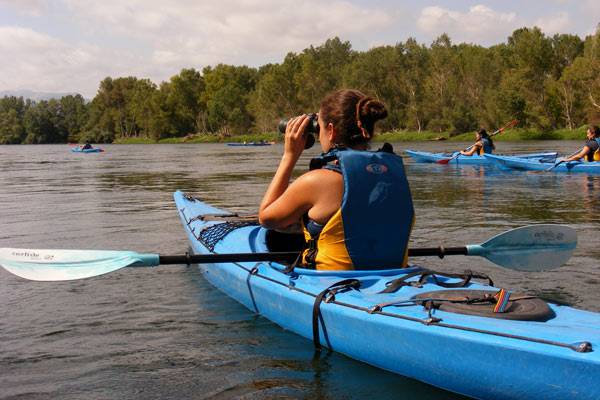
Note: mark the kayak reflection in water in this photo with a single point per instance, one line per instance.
(483, 144)
(591, 149)
(370, 229)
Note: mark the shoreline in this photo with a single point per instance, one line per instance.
(513, 135)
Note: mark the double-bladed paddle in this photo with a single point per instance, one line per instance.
(528, 248)
(560, 162)
(556, 164)
(505, 127)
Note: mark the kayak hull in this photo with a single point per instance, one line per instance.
(473, 356)
(79, 150)
(543, 165)
(427, 157)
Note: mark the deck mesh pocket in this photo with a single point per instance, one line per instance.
(211, 235)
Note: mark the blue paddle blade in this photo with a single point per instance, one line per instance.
(63, 265)
(529, 248)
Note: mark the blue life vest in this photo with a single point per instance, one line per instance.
(596, 155)
(487, 148)
(377, 210)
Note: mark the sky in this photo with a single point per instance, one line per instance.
(71, 45)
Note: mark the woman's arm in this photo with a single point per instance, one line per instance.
(473, 150)
(271, 213)
(579, 155)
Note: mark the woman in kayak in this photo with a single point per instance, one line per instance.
(483, 144)
(591, 149)
(372, 226)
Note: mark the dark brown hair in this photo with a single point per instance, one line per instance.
(594, 129)
(353, 114)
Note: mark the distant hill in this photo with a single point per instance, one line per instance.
(36, 96)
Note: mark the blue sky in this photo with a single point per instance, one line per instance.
(70, 45)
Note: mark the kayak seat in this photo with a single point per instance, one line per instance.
(281, 241)
(521, 307)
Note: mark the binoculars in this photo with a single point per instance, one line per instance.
(311, 130)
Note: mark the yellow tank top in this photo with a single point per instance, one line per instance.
(332, 253)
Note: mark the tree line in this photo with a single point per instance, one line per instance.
(547, 82)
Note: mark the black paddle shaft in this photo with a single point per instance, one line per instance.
(289, 256)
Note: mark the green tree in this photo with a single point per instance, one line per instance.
(320, 71)
(42, 124)
(11, 128)
(379, 72)
(12, 111)
(74, 114)
(227, 96)
(183, 102)
(275, 94)
(416, 68)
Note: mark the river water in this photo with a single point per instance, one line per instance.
(166, 333)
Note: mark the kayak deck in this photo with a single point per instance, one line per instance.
(427, 157)
(544, 165)
(475, 356)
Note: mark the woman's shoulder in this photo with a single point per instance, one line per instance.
(322, 174)
(318, 180)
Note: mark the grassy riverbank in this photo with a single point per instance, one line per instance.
(512, 135)
(203, 138)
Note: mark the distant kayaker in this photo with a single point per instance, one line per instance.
(372, 227)
(483, 144)
(591, 149)
(86, 146)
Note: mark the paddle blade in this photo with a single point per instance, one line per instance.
(529, 248)
(64, 265)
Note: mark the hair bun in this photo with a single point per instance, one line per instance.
(372, 110)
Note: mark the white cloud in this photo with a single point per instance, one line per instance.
(558, 23)
(480, 24)
(37, 61)
(155, 39)
(228, 31)
(28, 7)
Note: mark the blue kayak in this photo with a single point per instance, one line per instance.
(427, 157)
(542, 351)
(544, 165)
(249, 144)
(92, 150)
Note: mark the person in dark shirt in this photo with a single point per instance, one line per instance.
(591, 149)
(86, 146)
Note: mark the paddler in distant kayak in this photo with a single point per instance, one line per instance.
(591, 149)
(86, 146)
(483, 144)
(354, 206)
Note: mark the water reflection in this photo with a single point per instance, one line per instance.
(167, 333)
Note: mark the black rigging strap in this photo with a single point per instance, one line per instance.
(393, 286)
(328, 295)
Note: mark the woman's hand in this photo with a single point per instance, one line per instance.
(295, 137)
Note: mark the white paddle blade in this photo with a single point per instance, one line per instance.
(529, 248)
(64, 265)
